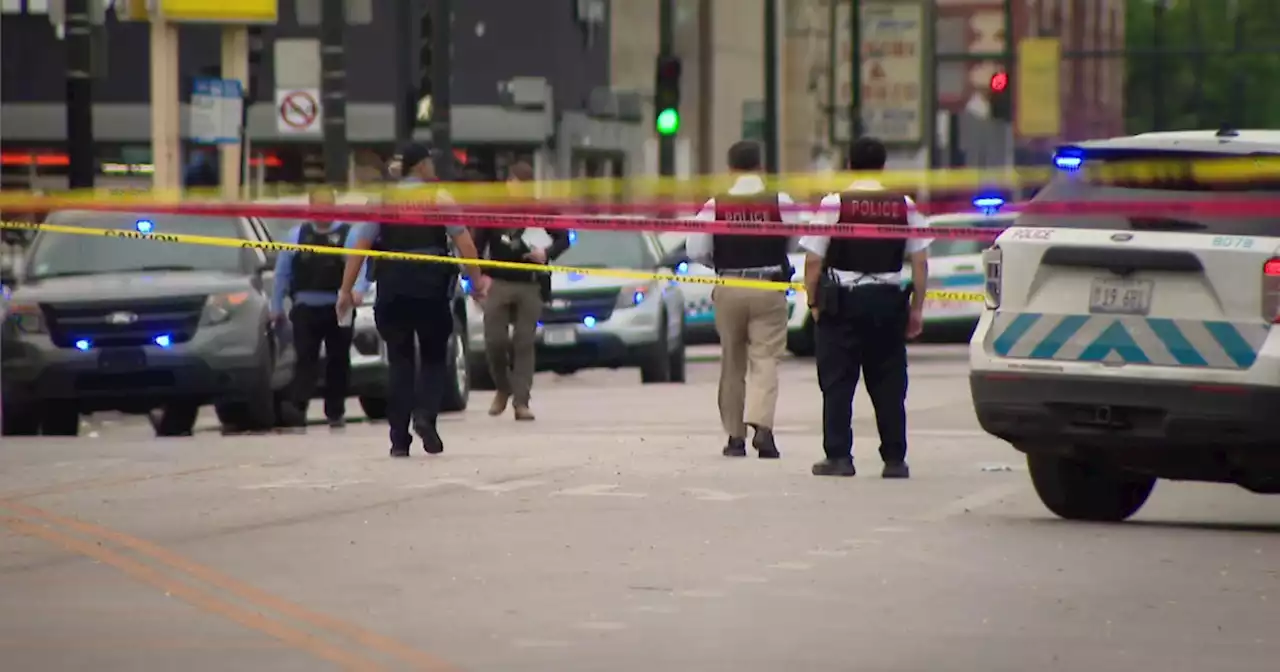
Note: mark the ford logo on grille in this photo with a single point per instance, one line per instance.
(122, 318)
(1122, 237)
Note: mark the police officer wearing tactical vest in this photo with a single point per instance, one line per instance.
(863, 314)
(413, 308)
(514, 306)
(751, 322)
(311, 281)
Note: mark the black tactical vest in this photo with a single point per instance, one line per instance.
(731, 252)
(416, 279)
(869, 255)
(315, 272)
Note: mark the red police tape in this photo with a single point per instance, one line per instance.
(435, 216)
(1154, 214)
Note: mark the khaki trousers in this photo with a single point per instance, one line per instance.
(511, 314)
(752, 324)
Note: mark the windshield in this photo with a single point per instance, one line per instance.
(1173, 182)
(61, 254)
(608, 249)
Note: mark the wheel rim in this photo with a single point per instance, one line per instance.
(462, 376)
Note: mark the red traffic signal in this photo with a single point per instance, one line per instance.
(999, 82)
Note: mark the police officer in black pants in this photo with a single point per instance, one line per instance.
(311, 282)
(413, 309)
(863, 314)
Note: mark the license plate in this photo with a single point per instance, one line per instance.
(1120, 297)
(127, 359)
(559, 336)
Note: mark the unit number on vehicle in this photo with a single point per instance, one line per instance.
(1120, 297)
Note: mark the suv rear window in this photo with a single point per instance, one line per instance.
(1171, 179)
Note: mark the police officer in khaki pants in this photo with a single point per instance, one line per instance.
(514, 306)
(751, 323)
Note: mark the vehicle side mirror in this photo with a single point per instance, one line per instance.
(675, 257)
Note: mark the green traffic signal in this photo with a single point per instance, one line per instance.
(668, 121)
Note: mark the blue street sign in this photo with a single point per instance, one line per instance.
(216, 109)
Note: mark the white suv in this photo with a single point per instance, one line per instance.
(1116, 349)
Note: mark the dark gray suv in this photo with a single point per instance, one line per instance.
(136, 324)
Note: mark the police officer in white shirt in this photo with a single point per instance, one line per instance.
(863, 314)
(751, 323)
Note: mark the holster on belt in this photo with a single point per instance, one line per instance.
(828, 299)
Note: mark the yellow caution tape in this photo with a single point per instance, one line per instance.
(620, 273)
(802, 185)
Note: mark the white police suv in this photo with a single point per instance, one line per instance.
(1116, 349)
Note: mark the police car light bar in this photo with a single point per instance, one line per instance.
(144, 226)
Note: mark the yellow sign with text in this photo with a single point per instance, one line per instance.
(1038, 88)
(202, 11)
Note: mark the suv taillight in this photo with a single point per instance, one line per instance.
(992, 262)
(1271, 290)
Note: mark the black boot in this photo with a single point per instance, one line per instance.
(839, 467)
(764, 444)
(735, 447)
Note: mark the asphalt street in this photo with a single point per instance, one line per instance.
(610, 535)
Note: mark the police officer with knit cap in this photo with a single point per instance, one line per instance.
(413, 308)
(311, 280)
(863, 314)
(751, 323)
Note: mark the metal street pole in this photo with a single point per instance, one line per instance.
(333, 83)
(1157, 76)
(79, 38)
(442, 88)
(855, 71)
(405, 67)
(667, 47)
(833, 60)
(772, 144)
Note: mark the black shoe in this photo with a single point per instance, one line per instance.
(735, 448)
(399, 451)
(764, 444)
(337, 423)
(431, 441)
(829, 467)
(896, 470)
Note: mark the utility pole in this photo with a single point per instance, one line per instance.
(442, 88)
(666, 49)
(772, 140)
(333, 82)
(80, 151)
(405, 67)
(1157, 77)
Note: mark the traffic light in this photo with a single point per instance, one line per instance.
(998, 95)
(666, 96)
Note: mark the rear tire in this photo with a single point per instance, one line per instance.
(800, 343)
(678, 358)
(1077, 490)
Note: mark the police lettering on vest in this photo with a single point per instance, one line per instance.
(869, 255)
(735, 252)
(315, 272)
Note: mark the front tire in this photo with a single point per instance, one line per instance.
(20, 421)
(656, 367)
(375, 408)
(1077, 490)
(60, 421)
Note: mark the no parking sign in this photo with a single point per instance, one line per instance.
(298, 111)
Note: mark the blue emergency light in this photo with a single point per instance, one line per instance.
(163, 340)
(988, 205)
(83, 345)
(144, 226)
(589, 321)
(682, 268)
(1068, 159)
(573, 237)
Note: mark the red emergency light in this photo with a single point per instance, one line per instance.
(999, 82)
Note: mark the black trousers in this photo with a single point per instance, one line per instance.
(312, 326)
(864, 333)
(416, 332)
